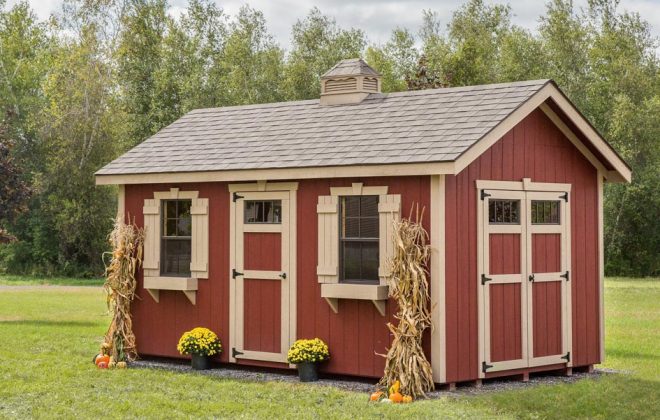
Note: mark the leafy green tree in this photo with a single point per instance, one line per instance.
(318, 43)
(14, 191)
(395, 61)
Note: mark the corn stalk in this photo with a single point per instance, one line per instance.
(408, 285)
(120, 284)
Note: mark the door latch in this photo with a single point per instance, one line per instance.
(531, 277)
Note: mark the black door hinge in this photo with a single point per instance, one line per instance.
(567, 357)
(484, 194)
(566, 275)
(485, 279)
(485, 366)
(283, 276)
(531, 277)
(235, 352)
(235, 273)
(564, 196)
(235, 196)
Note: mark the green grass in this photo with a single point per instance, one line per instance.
(47, 339)
(9, 280)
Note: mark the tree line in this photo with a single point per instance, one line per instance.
(98, 77)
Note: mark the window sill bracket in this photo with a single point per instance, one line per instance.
(187, 285)
(376, 293)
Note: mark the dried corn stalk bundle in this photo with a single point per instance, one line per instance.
(120, 284)
(408, 285)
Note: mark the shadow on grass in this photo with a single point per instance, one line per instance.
(631, 354)
(48, 323)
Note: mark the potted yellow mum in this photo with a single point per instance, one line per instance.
(200, 344)
(306, 354)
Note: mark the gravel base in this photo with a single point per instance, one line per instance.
(362, 385)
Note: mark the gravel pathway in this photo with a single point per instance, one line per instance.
(361, 385)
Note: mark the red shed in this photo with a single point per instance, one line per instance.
(272, 222)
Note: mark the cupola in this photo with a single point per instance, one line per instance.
(349, 82)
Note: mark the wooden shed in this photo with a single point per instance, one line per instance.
(272, 222)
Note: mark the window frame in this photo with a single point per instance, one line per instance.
(361, 240)
(164, 239)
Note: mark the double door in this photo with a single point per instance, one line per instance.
(524, 282)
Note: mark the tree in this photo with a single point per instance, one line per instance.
(395, 61)
(14, 191)
(318, 43)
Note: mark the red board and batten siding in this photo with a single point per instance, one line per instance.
(534, 149)
(354, 334)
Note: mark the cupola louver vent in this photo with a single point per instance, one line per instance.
(349, 82)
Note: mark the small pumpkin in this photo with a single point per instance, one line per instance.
(376, 396)
(121, 365)
(103, 359)
(102, 365)
(386, 401)
(96, 358)
(407, 399)
(396, 397)
(112, 365)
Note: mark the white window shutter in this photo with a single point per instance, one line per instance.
(389, 208)
(199, 262)
(151, 261)
(327, 269)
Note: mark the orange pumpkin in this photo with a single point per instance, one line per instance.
(376, 396)
(396, 397)
(96, 358)
(407, 399)
(102, 365)
(103, 359)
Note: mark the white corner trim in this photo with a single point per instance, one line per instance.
(438, 304)
(601, 270)
(121, 202)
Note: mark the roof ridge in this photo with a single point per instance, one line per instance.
(540, 82)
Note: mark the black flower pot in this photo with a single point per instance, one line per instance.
(307, 372)
(200, 362)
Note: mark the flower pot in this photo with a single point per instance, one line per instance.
(307, 372)
(200, 362)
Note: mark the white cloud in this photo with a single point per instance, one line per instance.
(376, 18)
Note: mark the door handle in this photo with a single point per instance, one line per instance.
(283, 276)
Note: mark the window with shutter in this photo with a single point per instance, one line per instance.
(355, 227)
(176, 242)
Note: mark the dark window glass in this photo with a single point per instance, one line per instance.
(504, 212)
(268, 211)
(175, 238)
(545, 212)
(359, 239)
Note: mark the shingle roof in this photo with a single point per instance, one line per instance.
(433, 125)
(351, 67)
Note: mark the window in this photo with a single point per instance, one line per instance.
(504, 212)
(176, 238)
(269, 211)
(545, 212)
(359, 239)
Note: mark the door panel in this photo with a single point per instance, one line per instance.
(524, 293)
(503, 298)
(547, 319)
(262, 315)
(505, 321)
(261, 277)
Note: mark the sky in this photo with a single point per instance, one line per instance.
(376, 18)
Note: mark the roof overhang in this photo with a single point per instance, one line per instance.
(549, 99)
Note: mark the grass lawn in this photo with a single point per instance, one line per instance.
(48, 337)
(9, 280)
